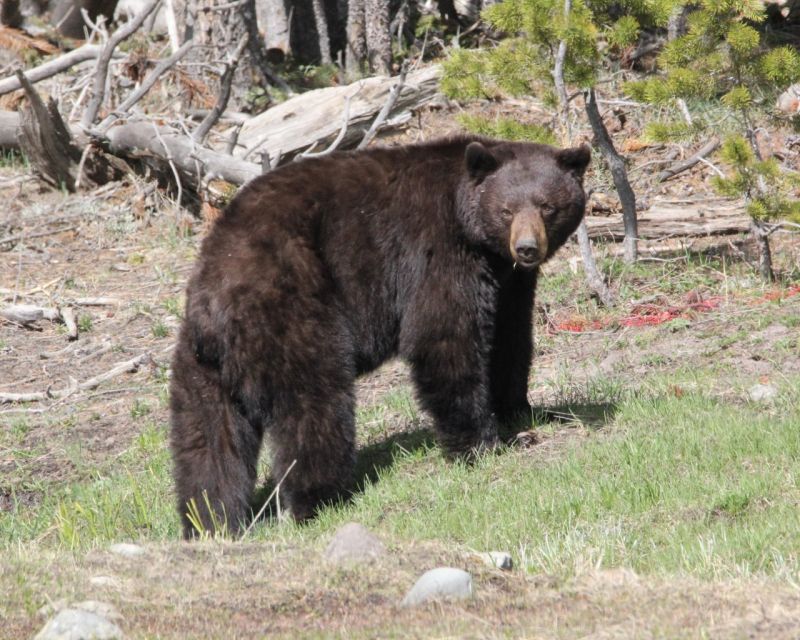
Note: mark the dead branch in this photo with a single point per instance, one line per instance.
(37, 234)
(225, 83)
(68, 316)
(394, 93)
(675, 169)
(617, 166)
(265, 159)
(133, 140)
(161, 68)
(129, 366)
(101, 70)
(52, 67)
(26, 314)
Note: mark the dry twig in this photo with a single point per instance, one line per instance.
(129, 366)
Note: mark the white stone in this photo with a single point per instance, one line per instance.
(443, 583)
(762, 392)
(75, 624)
(103, 581)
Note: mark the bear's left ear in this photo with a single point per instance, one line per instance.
(576, 159)
(480, 161)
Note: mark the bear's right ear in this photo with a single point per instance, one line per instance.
(480, 161)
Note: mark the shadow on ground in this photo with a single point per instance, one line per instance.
(376, 458)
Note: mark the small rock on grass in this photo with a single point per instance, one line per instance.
(126, 549)
(497, 559)
(104, 581)
(353, 543)
(762, 392)
(443, 583)
(76, 624)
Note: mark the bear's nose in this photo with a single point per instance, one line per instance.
(527, 250)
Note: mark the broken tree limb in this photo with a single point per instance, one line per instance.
(394, 92)
(709, 147)
(52, 67)
(45, 139)
(26, 314)
(52, 152)
(315, 116)
(129, 366)
(135, 140)
(103, 60)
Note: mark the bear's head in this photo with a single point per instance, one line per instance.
(524, 200)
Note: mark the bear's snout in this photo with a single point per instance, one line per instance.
(528, 244)
(527, 251)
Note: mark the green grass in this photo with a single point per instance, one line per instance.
(680, 483)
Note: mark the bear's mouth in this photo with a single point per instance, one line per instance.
(527, 263)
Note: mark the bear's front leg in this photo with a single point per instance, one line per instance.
(512, 350)
(452, 383)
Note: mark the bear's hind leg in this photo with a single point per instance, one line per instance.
(214, 449)
(315, 431)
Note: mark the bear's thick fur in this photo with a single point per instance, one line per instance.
(322, 270)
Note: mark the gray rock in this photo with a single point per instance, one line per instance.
(353, 543)
(497, 559)
(102, 609)
(443, 583)
(762, 392)
(75, 624)
(126, 549)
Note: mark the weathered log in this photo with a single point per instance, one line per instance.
(314, 117)
(669, 218)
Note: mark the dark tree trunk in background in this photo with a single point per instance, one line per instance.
(67, 15)
(10, 15)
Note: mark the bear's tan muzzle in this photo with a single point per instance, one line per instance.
(528, 242)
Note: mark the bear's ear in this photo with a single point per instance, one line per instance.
(480, 161)
(576, 159)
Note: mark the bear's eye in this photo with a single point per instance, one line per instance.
(506, 213)
(548, 209)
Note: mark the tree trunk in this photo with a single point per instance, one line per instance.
(10, 15)
(356, 51)
(619, 173)
(761, 234)
(321, 22)
(379, 40)
(273, 19)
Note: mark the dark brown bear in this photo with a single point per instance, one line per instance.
(322, 270)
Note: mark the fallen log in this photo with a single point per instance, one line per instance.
(670, 218)
(313, 119)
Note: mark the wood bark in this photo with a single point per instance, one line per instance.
(379, 41)
(321, 22)
(356, 33)
(273, 19)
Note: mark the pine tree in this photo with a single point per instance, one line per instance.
(724, 59)
(547, 44)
